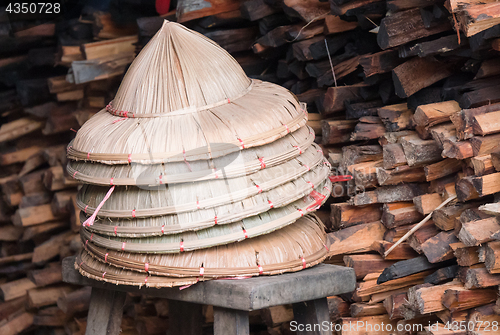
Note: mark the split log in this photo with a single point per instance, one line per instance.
(463, 119)
(335, 97)
(479, 278)
(407, 267)
(393, 155)
(426, 203)
(459, 299)
(380, 62)
(418, 73)
(399, 214)
(336, 131)
(357, 238)
(394, 305)
(362, 309)
(482, 165)
(388, 194)
(492, 257)
(46, 296)
(354, 154)
(16, 288)
(406, 26)
(442, 169)
(371, 287)
(344, 215)
(442, 275)
(369, 127)
(366, 263)
(429, 299)
(402, 251)
(437, 248)
(466, 256)
(396, 117)
(432, 114)
(477, 232)
(420, 152)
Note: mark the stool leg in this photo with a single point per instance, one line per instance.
(105, 312)
(184, 318)
(230, 322)
(313, 312)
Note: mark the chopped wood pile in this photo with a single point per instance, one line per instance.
(403, 96)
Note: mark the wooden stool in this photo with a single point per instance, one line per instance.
(232, 299)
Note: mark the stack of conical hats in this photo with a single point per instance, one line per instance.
(195, 172)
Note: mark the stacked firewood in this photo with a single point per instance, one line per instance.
(402, 96)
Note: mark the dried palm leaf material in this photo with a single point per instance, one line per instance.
(132, 201)
(236, 164)
(156, 174)
(249, 227)
(290, 249)
(193, 221)
(183, 83)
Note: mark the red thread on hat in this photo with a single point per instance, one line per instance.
(146, 280)
(287, 129)
(106, 257)
(258, 188)
(242, 144)
(115, 230)
(245, 233)
(123, 246)
(318, 197)
(197, 204)
(307, 167)
(326, 247)
(86, 242)
(300, 150)
(90, 220)
(202, 271)
(270, 203)
(123, 118)
(312, 185)
(133, 213)
(163, 229)
(129, 158)
(88, 155)
(161, 181)
(261, 270)
(146, 267)
(80, 264)
(85, 210)
(228, 101)
(262, 164)
(327, 188)
(91, 236)
(215, 219)
(74, 174)
(103, 274)
(303, 263)
(339, 178)
(185, 160)
(301, 212)
(181, 248)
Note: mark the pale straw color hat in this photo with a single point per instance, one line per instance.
(292, 248)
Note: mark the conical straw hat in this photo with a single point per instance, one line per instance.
(293, 248)
(236, 164)
(264, 223)
(133, 201)
(183, 83)
(218, 215)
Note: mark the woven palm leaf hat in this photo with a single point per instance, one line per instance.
(194, 172)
